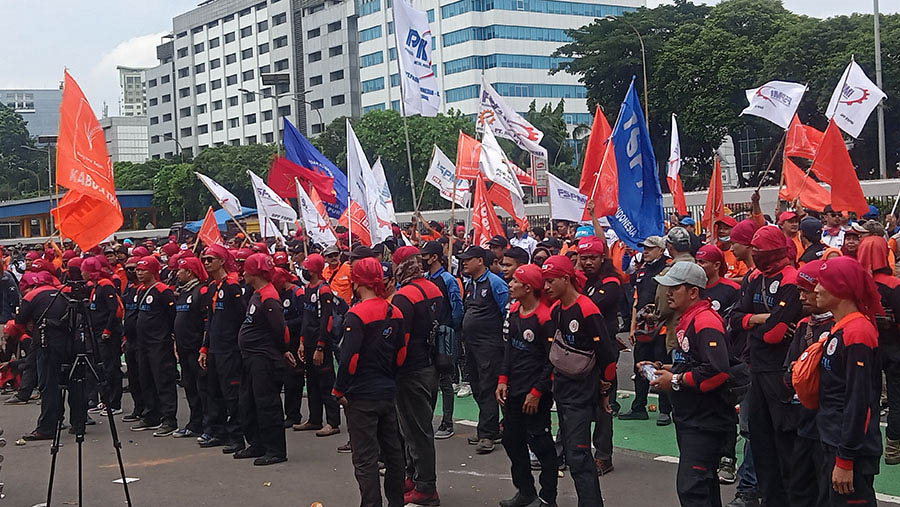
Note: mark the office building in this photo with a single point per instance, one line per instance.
(39, 109)
(132, 91)
(126, 138)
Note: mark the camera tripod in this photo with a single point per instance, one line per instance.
(73, 376)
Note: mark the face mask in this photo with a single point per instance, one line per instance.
(306, 274)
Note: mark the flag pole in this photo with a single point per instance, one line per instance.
(422, 192)
(605, 152)
(771, 161)
(300, 215)
(224, 208)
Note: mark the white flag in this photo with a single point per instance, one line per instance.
(496, 167)
(417, 79)
(776, 101)
(364, 188)
(674, 163)
(268, 229)
(853, 100)
(440, 175)
(268, 203)
(225, 198)
(567, 202)
(506, 122)
(315, 221)
(385, 200)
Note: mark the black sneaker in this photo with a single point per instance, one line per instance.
(443, 432)
(132, 417)
(212, 442)
(519, 500)
(145, 425)
(233, 448)
(249, 452)
(269, 460)
(344, 449)
(165, 430)
(634, 416)
(664, 420)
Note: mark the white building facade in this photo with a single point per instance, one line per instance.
(132, 91)
(126, 138)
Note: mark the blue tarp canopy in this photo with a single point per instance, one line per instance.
(221, 219)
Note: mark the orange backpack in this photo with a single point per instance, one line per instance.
(805, 372)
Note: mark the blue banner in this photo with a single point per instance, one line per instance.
(301, 152)
(640, 212)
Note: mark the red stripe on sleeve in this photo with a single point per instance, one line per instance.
(353, 363)
(745, 322)
(713, 382)
(503, 379)
(776, 334)
(610, 373)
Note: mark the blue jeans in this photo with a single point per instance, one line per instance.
(747, 472)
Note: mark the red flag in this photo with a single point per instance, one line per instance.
(605, 192)
(833, 165)
(812, 194)
(715, 199)
(283, 172)
(468, 151)
(358, 223)
(593, 156)
(209, 231)
(523, 177)
(484, 220)
(802, 140)
(677, 195)
(499, 195)
(90, 210)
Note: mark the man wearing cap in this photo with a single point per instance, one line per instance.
(721, 292)
(265, 354)
(648, 346)
(768, 310)
(578, 325)
(522, 239)
(449, 317)
(290, 292)
(130, 294)
(735, 267)
(810, 240)
(511, 260)
(220, 354)
(372, 349)
(849, 383)
(703, 414)
(852, 237)
(832, 233)
(337, 273)
(417, 384)
(741, 236)
(106, 313)
(317, 350)
(156, 317)
(485, 298)
(678, 243)
(789, 222)
(191, 308)
(497, 246)
(604, 287)
(524, 389)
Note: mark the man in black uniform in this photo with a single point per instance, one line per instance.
(721, 292)
(106, 312)
(317, 350)
(811, 239)
(219, 354)
(485, 297)
(130, 296)
(191, 308)
(768, 312)
(704, 416)
(366, 385)
(417, 382)
(523, 389)
(156, 317)
(293, 319)
(264, 352)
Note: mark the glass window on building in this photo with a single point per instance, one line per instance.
(262, 26)
(315, 80)
(336, 75)
(335, 50)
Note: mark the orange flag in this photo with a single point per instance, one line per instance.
(484, 220)
(90, 210)
(359, 223)
(499, 195)
(715, 199)
(812, 194)
(599, 174)
(833, 165)
(468, 151)
(209, 231)
(593, 156)
(802, 140)
(678, 199)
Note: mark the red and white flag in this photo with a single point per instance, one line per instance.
(209, 231)
(833, 162)
(468, 151)
(90, 211)
(315, 218)
(672, 170)
(600, 174)
(776, 101)
(485, 222)
(853, 100)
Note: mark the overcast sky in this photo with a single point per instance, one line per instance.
(42, 37)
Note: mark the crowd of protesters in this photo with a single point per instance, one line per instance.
(721, 325)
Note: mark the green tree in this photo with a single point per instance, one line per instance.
(22, 171)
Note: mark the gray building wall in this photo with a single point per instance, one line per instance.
(161, 104)
(39, 109)
(126, 138)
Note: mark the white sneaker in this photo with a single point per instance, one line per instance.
(97, 409)
(464, 390)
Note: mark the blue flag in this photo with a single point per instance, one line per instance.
(640, 212)
(301, 152)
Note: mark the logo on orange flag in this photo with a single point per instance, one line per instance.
(90, 210)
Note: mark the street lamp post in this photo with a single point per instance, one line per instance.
(882, 156)
(277, 97)
(48, 140)
(643, 63)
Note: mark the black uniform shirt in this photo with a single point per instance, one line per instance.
(316, 330)
(293, 314)
(227, 309)
(606, 293)
(156, 314)
(722, 295)
(263, 331)
(190, 317)
(371, 351)
(418, 301)
(810, 329)
(106, 309)
(41, 303)
(526, 363)
(130, 302)
(581, 326)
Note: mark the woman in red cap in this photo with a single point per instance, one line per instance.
(265, 355)
(769, 306)
(873, 255)
(156, 316)
(579, 331)
(523, 388)
(373, 348)
(850, 382)
(190, 313)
